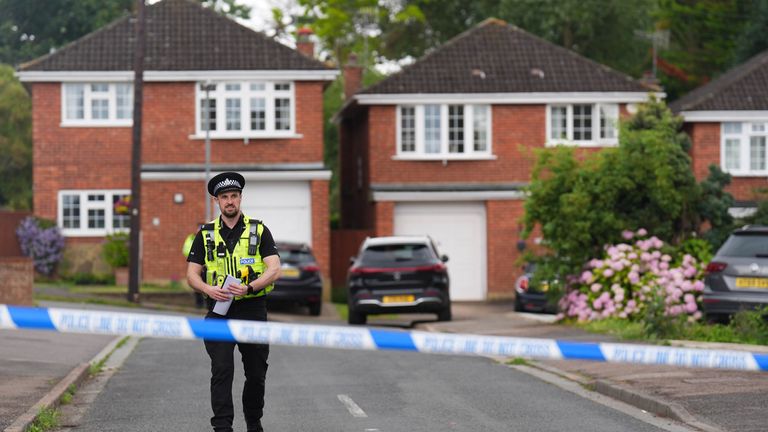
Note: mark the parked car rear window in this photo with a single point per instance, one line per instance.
(398, 255)
(296, 256)
(745, 245)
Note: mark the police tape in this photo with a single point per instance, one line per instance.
(362, 338)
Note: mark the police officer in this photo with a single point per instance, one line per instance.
(235, 245)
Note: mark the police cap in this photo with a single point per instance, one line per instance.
(225, 182)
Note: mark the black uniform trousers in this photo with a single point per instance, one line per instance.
(223, 369)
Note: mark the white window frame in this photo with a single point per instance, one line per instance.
(443, 155)
(245, 94)
(744, 138)
(596, 140)
(85, 205)
(88, 120)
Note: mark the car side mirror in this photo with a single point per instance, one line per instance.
(351, 260)
(444, 258)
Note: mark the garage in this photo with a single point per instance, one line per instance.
(284, 207)
(459, 230)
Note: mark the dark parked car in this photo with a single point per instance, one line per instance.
(300, 280)
(398, 275)
(737, 276)
(531, 297)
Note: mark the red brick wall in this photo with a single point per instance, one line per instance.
(321, 230)
(385, 218)
(516, 130)
(74, 157)
(99, 158)
(161, 244)
(705, 150)
(17, 275)
(504, 225)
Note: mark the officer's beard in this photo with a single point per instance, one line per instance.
(230, 211)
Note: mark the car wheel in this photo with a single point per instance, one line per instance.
(445, 314)
(314, 308)
(518, 304)
(357, 318)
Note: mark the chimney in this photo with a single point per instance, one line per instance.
(304, 42)
(353, 76)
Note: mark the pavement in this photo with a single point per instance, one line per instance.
(37, 367)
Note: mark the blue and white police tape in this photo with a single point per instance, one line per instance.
(361, 338)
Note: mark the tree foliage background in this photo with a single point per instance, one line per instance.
(646, 182)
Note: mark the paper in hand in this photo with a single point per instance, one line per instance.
(222, 307)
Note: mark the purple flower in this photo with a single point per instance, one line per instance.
(642, 232)
(627, 234)
(608, 273)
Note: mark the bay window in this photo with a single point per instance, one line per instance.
(583, 124)
(443, 131)
(97, 104)
(743, 148)
(246, 109)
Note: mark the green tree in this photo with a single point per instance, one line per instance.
(645, 182)
(703, 36)
(15, 142)
(32, 28)
(230, 8)
(602, 30)
(753, 39)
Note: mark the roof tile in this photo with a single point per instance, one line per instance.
(181, 35)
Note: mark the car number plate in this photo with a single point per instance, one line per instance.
(751, 282)
(398, 298)
(290, 272)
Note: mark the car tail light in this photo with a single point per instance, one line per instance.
(439, 267)
(716, 267)
(523, 284)
(311, 268)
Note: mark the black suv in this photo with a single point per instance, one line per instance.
(737, 277)
(300, 280)
(398, 275)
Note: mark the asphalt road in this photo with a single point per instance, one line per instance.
(163, 386)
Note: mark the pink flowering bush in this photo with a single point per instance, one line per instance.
(631, 276)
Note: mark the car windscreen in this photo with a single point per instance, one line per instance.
(746, 245)
(397, 255)
(295, 256)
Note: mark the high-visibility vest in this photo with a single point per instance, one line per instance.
(244, 260)
(187, 247)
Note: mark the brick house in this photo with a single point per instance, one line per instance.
(445, 146)
(727, 120)
(265, 117)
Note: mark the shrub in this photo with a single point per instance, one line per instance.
(639, 280)
(116, 251)
(42, 241)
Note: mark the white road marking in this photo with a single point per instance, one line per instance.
(352, 407)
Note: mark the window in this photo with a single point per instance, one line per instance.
(438, 132)
(247, 109)
(480, 128)
(583, 124)
(456, 128)
(408, 129)
(744, 147)
(97, 104)
(432, 128)
(93, 213)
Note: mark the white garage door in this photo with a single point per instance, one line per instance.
(284, 207)
(458, 229)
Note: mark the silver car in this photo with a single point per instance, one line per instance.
(737, 277)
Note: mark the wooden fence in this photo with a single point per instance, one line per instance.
(9, 221)
(344, 244)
